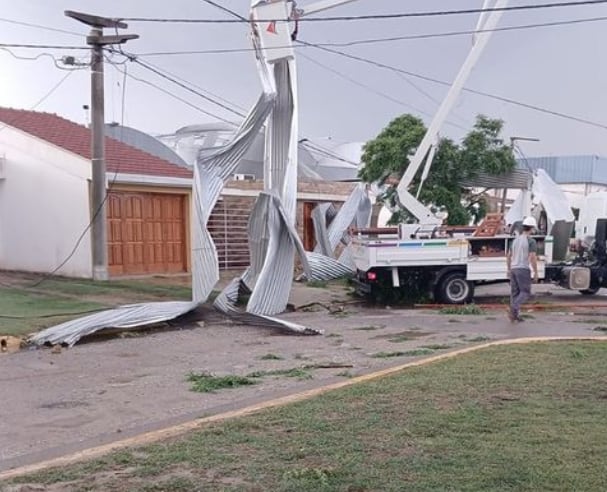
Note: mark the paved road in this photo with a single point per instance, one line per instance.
(97, 392)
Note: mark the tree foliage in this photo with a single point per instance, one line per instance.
(481, 151)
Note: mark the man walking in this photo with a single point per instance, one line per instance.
(521, 258)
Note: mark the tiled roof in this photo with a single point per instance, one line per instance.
(76, 138)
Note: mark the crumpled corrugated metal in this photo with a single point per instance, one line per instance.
(323, 262)
(274, 254)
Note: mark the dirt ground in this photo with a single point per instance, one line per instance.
(56, 402)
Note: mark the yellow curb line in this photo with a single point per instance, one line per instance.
(177, 430)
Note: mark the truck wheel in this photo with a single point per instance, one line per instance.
(590, 292)
(453, 288)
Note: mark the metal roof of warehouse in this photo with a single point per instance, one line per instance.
(570, 169)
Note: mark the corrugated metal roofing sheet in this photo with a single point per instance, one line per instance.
(519, 178)
(570, 169)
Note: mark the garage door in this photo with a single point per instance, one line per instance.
(146, 233)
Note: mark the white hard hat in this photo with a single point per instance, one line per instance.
(530, 222)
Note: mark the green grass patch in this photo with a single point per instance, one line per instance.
(479, 338)
(294, 372)
(126, 288)
(24, 312)
(591, 321)
(29, 308)
(400, 339)
(402, 336)
(205, 382)
(466, 309)
(492, 420)
(345, 374)
(407, 353)
(318, 284)
(270, 357)
(369, 327)
(437, 346)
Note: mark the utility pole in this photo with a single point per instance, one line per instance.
(97, 41)
(512, 146)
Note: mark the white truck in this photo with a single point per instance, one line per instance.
(448, 261)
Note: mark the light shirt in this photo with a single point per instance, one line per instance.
(520, 249)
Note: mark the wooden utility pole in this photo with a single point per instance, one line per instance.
(97, 41)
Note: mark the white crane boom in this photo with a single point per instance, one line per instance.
(407, 200)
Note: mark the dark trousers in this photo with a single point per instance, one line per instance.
(520, 289)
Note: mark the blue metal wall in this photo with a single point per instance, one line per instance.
(570, 169)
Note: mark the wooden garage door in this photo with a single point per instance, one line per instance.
(146, 233)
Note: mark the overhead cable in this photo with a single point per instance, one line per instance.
(357, 42)
(401, 15)
(39, 26)
(469, 90)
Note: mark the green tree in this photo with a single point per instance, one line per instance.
(481, 151)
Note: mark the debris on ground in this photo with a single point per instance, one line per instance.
(9, 344)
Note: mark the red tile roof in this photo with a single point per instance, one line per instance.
(77, 139)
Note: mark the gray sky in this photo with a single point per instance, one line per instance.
(560, 68)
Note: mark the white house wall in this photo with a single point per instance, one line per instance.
(44, 207)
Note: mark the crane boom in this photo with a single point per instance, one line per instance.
(407, 200)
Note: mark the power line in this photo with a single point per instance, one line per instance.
(462, 33)
(319, 148)
(56, 61)
(226, 9)
(43, 46)
(53, 315)
(436, 13)
(316, 147)
(372, 89)
(176, 97)
(46, 95)
(132, 56)
(412, 37)
(99, 208)
(38, 26)
(51, 91)
(324, 151)
(441, 82)
(189, 89)
(472, 91)
(207, 92)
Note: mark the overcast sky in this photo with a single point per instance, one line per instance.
(559, 68)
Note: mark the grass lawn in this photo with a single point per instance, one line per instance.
(529, 417)
(24, 309)
(23, 312)
(143, 288)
